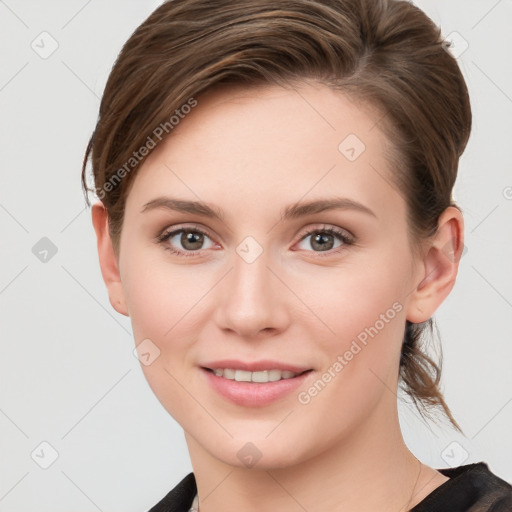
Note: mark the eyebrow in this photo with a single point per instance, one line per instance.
(293, 211)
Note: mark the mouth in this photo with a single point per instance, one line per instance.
(260, 377)
(255, 384)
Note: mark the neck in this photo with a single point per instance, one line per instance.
(370, 469)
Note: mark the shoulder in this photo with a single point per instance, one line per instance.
(179, 498)
(472, 487)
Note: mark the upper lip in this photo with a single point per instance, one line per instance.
(254, 366)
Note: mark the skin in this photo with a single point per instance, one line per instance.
(252, 152)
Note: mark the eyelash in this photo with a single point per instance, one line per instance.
(347, 240)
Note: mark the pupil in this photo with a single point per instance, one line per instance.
(195, 239)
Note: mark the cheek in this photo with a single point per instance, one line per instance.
(167, 306)
(361, 359)
(161, 298)
(364, 311)
(357, 303)
(162, 303)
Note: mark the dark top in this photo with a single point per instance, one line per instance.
(471, 488)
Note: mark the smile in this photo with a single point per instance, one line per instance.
(258, 376)
(256, 388)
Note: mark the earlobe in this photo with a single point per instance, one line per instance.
(107, 258)
(439, 267)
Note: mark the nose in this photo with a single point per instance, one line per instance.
(253, 301)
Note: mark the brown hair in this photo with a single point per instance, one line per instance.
(384, 53)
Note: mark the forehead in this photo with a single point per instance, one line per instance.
(243, 145)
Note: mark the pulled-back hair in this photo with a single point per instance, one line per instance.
(383, 53)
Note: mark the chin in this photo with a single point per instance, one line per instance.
(258, 454)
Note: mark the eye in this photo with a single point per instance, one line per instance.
(191, 240)
(324, 240)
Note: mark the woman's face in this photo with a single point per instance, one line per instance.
(251, 289)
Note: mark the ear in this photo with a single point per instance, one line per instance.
(439, 266)
(108, 260)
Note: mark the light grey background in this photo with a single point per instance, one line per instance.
(69, 377)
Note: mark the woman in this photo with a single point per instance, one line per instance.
(275, 216)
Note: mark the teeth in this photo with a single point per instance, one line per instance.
(274, 375)
(243, 376)
(260, 376)
(229, 374)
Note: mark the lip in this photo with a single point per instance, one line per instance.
(255, 394)
(255, 366)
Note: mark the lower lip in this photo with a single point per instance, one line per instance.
(254, 394)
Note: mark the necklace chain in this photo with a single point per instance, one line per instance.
(415, 484)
